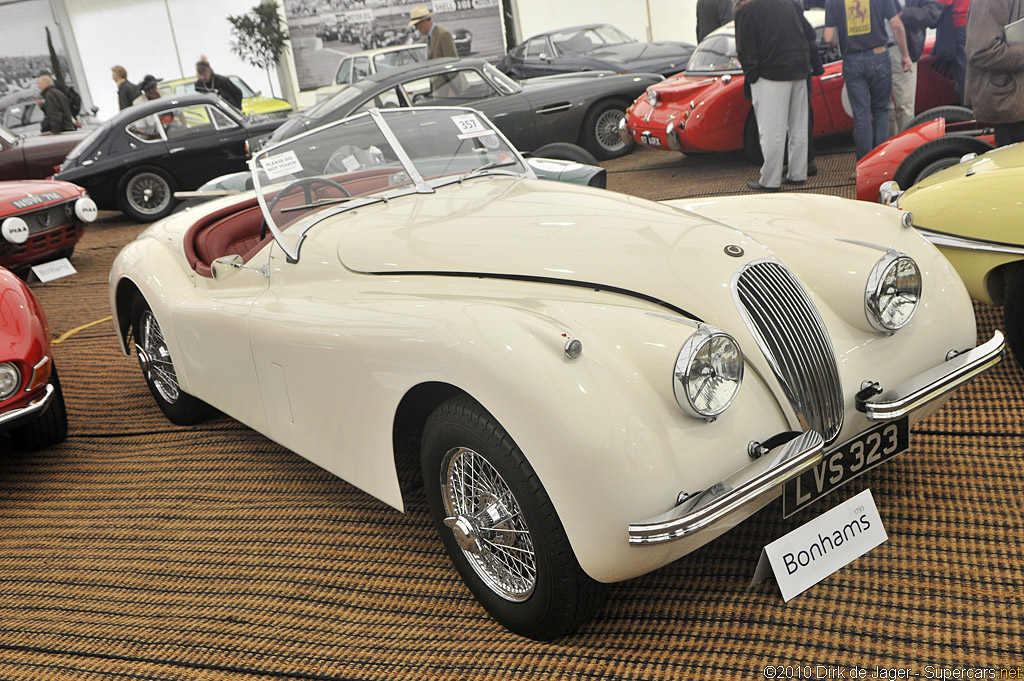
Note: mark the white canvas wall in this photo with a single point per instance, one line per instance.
(648, 19)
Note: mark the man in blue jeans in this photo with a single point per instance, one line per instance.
(858, 27)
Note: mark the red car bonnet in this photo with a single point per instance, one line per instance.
(24, 195)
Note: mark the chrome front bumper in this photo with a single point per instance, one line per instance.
(764, 475)
(33, 409)
(624, 133)
(894, 403)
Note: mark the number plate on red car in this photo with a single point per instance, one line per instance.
(846, 462)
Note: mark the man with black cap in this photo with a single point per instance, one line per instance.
(149, 89)
(440, 43)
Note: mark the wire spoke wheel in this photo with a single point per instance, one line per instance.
(606, 130)
(155, 359)
(148, 193)
(488, 525)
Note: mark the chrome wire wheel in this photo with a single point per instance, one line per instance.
(148, 193)
(606, 130)
(155, 358)
(488, 524)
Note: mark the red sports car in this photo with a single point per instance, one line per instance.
(32, 412)
(34, 158)
(41, 220)
(703, 109)
(934, 141)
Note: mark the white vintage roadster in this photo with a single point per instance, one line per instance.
(594, 385)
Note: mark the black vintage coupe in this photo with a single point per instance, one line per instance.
(137, 160)
(582, 108)
(592, 48)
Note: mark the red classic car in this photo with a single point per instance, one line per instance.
(935, 140)
(703, 109)
(41, 220)
(34, 158)
(32, 412)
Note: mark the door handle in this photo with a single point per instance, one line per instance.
(830, 77)
(175, 150)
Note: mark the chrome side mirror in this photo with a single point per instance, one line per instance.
(544, 56)
(227, 267)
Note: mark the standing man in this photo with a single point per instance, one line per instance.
(711, 14)
(440, 43)
(917, 17)
(995, 69)
(213, 82)
(773, 44)
(127, 91)
(56, 108)
(858, 27)
(952, 35)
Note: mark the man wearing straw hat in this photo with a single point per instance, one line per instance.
(440, 44)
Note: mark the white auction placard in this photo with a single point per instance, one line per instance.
(55, 269)
(822, 546)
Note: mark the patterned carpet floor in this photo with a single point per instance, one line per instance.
(141, 550)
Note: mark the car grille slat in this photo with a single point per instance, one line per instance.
(47, 218)
(793, 339)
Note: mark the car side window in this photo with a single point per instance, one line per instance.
(385, 100)
(221, 120)
(344, 72)
(360, 68)
(146, 129)
(450, 87)
(186, 121)
(536, 47)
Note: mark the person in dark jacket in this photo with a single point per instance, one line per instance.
(711, 14)
(127, 91)
(56, 109)
(213, 82)
(773, 44)
(995, 69)
(917, 17)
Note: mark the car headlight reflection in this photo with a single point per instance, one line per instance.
(893, 292)
(652, 97)
(10, 378)
(708, 373)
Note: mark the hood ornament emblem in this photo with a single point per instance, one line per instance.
(733, 250)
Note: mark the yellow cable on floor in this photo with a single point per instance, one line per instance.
(68, 334)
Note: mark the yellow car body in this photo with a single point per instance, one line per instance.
(252, 101)
(974, 213)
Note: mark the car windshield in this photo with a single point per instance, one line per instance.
(7, 135)
(715, 53)
(374, 156)
(580, 40)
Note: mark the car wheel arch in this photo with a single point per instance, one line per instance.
(124, 297)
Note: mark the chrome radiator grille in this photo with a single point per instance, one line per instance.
(793, 339)
(47, 218)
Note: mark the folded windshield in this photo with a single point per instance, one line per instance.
(374, 156)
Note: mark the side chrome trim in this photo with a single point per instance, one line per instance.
(748, 484)
(36, 406)
(896, 402)
(950, 241)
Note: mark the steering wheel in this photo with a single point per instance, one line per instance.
(307, 184)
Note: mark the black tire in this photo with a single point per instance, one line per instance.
(48, 429)
(600, 134)
(547, 594)
(1013, 313)
(146, 194)
(158, 369)
(564, 151)
(752, 140)
(952, 114)
(936, 155)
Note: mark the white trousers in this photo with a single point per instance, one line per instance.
(781, 109)
(904, 92)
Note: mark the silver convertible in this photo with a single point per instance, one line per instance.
(593, 385)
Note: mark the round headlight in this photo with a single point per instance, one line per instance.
(708, 373)
(893, 292)
(10, 378)
(652, 97)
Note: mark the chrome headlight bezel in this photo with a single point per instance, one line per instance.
(10, 379)
(882, 287)
(652, 96)
(707, 347)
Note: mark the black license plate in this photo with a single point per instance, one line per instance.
(844, 463)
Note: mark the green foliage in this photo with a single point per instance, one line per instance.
(259, 35)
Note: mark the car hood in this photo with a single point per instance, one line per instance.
(22, 327)
(22, 195)
(633, 54)
(543, 231)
